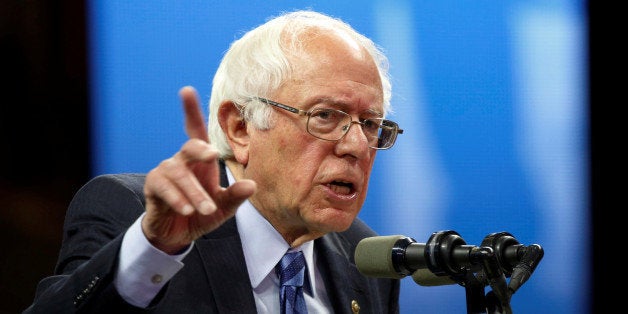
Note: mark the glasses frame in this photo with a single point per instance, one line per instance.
(385, 122)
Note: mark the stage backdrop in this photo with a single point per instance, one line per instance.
(492, 97)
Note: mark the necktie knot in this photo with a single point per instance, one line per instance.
(291, 269)
(291, 272)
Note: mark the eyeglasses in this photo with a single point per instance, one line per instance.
(332, 125)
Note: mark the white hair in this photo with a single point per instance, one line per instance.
(257, 64)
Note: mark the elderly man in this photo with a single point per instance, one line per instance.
(296, 118)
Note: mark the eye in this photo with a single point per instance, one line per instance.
(371, 125)
(326, 115)
(325, 121)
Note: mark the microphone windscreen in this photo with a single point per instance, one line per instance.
(373, 256)
(425, 277)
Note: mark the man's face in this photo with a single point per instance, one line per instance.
(308, 186)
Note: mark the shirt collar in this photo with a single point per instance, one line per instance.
(263, 246)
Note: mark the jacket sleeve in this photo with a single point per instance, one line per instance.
(97, 217)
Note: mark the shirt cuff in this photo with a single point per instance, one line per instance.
(143, 269)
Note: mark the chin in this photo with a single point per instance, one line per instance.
(335, 221)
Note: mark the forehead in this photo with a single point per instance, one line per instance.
(334, 67)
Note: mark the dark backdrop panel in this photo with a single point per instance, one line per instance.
(43, 135)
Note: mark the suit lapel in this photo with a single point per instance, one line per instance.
(222, 255)
(223, 258)
(344, 284)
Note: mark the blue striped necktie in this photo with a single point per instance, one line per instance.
(291, 270)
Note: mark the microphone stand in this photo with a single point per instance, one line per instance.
(475, 267)
(474, 292)
(448, 254)
(496, 301)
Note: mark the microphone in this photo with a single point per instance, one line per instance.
(444, 260)
(426, 278)
(379, 256)
(516, 260)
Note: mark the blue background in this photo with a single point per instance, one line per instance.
(491, 95)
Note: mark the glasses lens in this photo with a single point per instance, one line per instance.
(328, 124)
(387, 134)
(372, 128)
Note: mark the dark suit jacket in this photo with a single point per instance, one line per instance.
(214, 278)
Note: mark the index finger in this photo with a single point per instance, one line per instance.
(194, 122)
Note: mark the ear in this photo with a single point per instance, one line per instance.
(234, 127)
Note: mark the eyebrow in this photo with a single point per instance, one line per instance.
(344, 105)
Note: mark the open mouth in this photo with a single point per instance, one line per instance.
(341, 187)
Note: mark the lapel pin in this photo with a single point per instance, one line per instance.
(355, 307)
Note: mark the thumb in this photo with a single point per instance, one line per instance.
(237, 193)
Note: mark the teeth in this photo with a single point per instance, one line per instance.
(340, 189)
